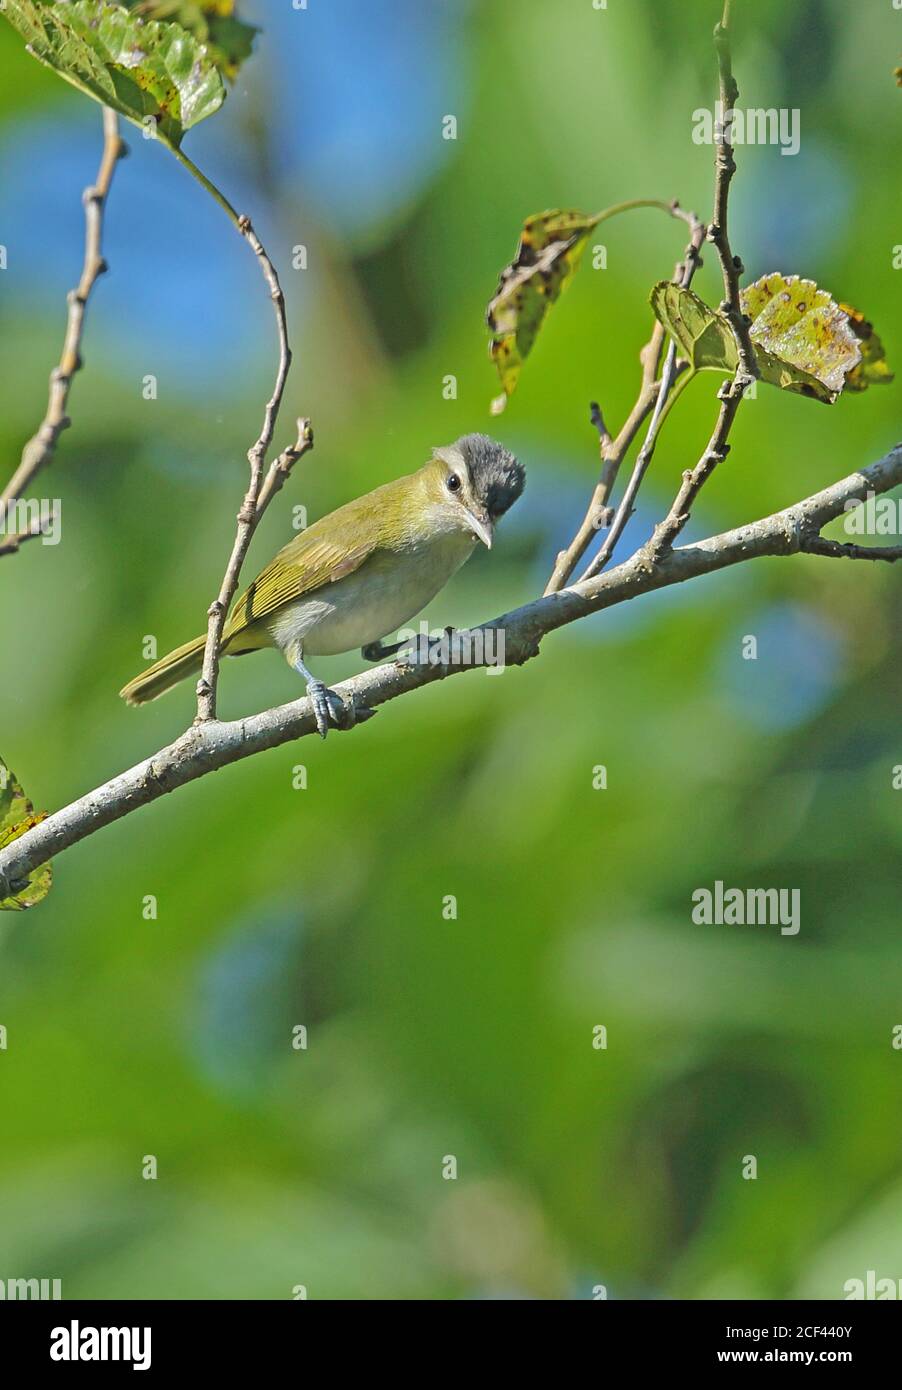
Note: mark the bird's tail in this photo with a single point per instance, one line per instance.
(165, 673)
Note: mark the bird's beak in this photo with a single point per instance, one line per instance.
(481, 526)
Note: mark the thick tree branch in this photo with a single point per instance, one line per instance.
(40, 449)
(213, 744)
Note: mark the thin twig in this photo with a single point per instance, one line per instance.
(278, 472)
(39, 450)
(724, 169)
(814, 544)
(10, 544)
(663, 403)
(694, 479)
(732, 392)
(598, 512)
(627, 502)
(204, 748)
(251, 510)
(613, 451)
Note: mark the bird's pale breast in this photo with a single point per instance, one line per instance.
(384, 593)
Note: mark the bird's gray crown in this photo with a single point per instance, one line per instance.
(496, 477)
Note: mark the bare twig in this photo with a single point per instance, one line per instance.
(694, 479)
(626, 505)
(732, 392)
(718, 234)
(206, 747)
(39, 450)
(813, 544)
(598, 513)
(250, 511)
(663, 402)
(613, 451)
(10, 544)
(280, 468)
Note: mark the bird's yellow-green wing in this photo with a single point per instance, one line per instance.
(309, 561)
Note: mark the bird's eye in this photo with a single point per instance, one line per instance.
(453, 482)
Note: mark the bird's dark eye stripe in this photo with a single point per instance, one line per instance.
(453, 482)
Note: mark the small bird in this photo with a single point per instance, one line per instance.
(362, 571)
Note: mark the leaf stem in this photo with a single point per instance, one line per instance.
(679, 386)
(631, 203)
(204, 182)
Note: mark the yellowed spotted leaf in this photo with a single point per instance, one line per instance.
(873, 369)
(548, 253)
(17, 815)
(803, 340)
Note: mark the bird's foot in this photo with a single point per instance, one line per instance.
(378, 651)
(328, 707)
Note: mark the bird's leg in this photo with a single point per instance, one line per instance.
(326, 704)
(378, 651)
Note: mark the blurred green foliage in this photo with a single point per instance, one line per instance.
(473, 1037)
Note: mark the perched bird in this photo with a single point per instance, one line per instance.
(362, 571)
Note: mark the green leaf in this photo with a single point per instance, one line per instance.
(228, 39)
(550, 247)
(16, 816)
(803, 340)
(873, 369)
(138, 67)
(703, 336)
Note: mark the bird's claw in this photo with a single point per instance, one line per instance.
(329, 707)
(326, 706)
